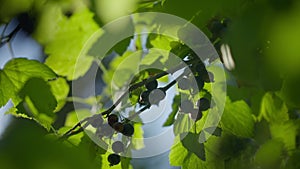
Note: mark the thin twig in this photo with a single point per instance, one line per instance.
(131, 88)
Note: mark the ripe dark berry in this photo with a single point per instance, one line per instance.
(117, 147)
(184, 83)
(96, 121)
(144, 98)
(128, 129)
(186, 106)
(156, 96)
(151, 85)
(112, 119)
(114, 159)
(119, 127)
(204, 104)
(196, 114)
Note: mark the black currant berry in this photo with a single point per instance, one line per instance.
(151, 85)
(186, 106)
(119, 127)
(156, 96)
(204, 104)
(128, 129)
(117, 147)
(112, 119)
(184, 83)
(114, 159)
(144, 98)
(96, 121)
(196, 114)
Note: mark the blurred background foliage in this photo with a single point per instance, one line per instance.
(261, 119)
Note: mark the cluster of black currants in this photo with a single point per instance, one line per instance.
(188, 107)
(114, 124)
(152, 95)
(201, 76)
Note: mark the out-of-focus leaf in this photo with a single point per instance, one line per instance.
(286, 132)
(290, 91)
(64, 51)
(269, 155)
(27, 141)
(273, 109)
(237, 118)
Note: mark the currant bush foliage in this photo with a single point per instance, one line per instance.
(259, 127)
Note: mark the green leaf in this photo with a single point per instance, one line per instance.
(175, 105)
(237, 118)
(293, 161)
(39, 93)
(124, 164)
(178, 153)
(181, 156)
(182, 124)
(273, 109)
(39, 100)
(122, 46)
(37, 151)
(190, 142)
(286, 132)
(216, 131)
(122, 69)
(137, 139)
(290, 92)
(60, 89)
(14, 75)
(65, 49)
(269, 155)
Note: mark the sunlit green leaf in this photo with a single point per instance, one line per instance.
(237, 118)
(286, 132)
(183, 123)
(137, 139)
(64, 51)
(60, 90)
(175, 105)
(14, 75)
(273, 109)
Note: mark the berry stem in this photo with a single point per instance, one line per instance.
(131, 88)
